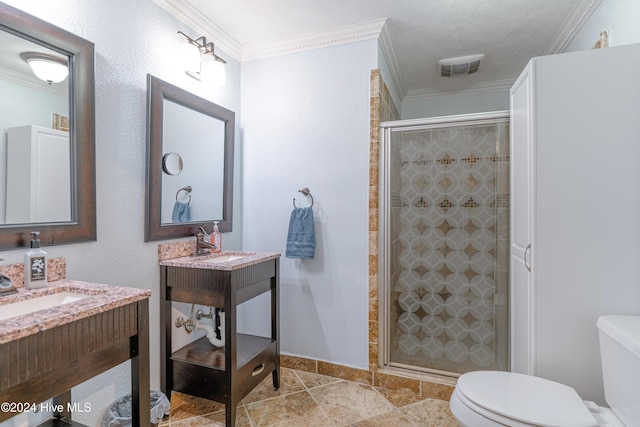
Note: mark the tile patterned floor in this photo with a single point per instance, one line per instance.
(311, 400)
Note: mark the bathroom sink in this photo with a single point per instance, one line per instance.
(32, 305)
(224, 258)
(223, 261)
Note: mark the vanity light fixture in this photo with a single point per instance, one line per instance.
(194, 53)
(50, 68)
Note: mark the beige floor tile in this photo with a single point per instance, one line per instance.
(289, 383)
(297, 409)
(217, 419)
(388, 419)
(400, 397)
(313, 400)
(429, 413)
(184, 406)
(348, 402)
(315, 380)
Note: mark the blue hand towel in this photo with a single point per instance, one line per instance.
(301, 239)
(181, 212)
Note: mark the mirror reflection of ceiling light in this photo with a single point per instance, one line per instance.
(50, 68)
(194, 54)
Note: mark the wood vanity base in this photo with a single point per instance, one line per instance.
(49, 363)
(228, 374)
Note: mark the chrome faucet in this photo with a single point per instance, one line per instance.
(6, 285)
(201, 245)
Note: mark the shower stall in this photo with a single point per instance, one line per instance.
(444, 243)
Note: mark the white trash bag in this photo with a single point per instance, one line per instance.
(119, 413)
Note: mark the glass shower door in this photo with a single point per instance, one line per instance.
(446, 231)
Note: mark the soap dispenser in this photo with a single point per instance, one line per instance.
(35, 264)
(216, 238)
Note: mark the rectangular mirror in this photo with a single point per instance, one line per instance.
(190, 143)
(47, 133)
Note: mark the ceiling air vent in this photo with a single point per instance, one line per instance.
(460, 66)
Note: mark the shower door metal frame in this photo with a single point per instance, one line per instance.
(386, 131)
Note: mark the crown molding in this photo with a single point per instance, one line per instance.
(33, 82)
(479, 88)
(392, 60)
(337, 36)
(572, 25)
(17, 78)
(189, 15)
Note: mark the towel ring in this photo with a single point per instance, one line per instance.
(188, 189)
(306, 192)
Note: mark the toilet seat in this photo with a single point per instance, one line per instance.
(468, 414)
(515, 399)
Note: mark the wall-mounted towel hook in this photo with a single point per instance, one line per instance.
(188, 189)
(306, 192)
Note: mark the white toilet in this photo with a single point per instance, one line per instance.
(492, 399)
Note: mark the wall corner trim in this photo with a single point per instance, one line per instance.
(572, 25)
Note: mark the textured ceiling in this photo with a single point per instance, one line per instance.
(420, 32)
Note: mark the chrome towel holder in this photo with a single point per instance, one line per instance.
(188, 189)
(306, 192)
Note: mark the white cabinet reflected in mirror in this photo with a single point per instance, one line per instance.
(189, 163)
(38, 175)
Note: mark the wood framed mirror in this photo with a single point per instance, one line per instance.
(201, 134)
(74, 167)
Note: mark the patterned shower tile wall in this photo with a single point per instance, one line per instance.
(452, 248)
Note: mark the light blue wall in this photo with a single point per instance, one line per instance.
(305, 123)
(451, 104)
(620, 17)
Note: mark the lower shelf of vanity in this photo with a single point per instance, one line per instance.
(199, 368)
(61, 423)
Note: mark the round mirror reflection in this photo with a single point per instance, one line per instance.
(172, 163)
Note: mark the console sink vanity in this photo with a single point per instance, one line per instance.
(56, 337)
(223, 280)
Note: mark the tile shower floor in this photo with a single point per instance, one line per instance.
(310, 400)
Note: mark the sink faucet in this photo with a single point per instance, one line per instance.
(201, 245)
(6, 285)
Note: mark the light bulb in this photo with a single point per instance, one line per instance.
(190, 57)
(216, 73)
(49, 71)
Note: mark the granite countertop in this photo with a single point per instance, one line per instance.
(102, 298)
(202, 261)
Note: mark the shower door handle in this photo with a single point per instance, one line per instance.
(526, 252)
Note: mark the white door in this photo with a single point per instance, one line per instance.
(521, 283)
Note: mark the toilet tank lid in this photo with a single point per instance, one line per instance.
(623, 329)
